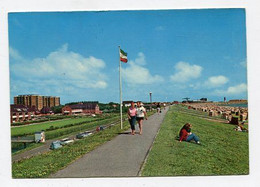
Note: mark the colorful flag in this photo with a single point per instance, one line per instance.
(123, 56)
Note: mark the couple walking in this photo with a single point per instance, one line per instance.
(138, 114)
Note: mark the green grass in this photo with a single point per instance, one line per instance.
(199, 113)
(45, 164)
(77, 128)
(62, 133)
(41, 166)
(223, 150)
(31, 129)
(20, 147)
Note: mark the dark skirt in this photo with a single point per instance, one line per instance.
(139, 118)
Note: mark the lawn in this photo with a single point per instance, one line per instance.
(63, 132)
(199, 113)
(223, 151)
(41, 166)
(83, 127)
(31, 129)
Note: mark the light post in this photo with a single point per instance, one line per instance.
(150, 100)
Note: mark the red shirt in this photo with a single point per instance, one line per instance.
(183, 134)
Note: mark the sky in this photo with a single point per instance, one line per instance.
(172, 53)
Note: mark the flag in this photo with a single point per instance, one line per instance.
(123, 56)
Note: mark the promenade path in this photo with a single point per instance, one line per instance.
(121, 157)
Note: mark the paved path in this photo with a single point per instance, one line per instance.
(122, 156)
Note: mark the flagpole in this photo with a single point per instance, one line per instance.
(120, 90)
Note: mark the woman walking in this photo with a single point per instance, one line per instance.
(132, 117)
(140, 114)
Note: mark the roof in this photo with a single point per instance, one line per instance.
(83, 106)
(46, 110)
(126, 102)
(22, 108)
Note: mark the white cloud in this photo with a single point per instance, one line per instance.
(134, 73)
(243, 64)
(237, 89)
(140, 60)
(233, 90)
(63, 66)
(14, 54)
(185, 72)
(216, 81)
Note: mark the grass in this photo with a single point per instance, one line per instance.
(20, 147)
(61, 133)
(77, 128)
(44, 119)
(199, 113)
(41, 166)
(223, 150)
(31, 129)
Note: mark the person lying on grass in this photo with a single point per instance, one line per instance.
(186, 134)
(241, 128)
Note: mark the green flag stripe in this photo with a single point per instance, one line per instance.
(124, 53)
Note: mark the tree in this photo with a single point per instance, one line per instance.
(57, 109)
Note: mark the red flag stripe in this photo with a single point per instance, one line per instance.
(123, 59)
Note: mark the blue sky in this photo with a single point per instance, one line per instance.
(171, 53)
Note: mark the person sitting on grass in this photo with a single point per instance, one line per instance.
(186, 134)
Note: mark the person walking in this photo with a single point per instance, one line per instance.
(131, 113)
(164, 106)
(186, 134)
(158, 108)
(140, 115)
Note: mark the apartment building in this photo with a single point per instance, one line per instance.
(37, 101)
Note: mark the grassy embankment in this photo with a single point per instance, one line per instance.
(60, 129)
(223, 151)
(43, 165)
(31, 129)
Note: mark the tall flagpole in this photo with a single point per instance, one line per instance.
(120, 88)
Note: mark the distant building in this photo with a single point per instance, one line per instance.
(127, 103)
(238, 101)
(37, 101)
(46, 110)
(81, 108)
(204, 99)
(20, 113)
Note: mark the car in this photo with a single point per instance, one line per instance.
(66, 141)
(55, 145)
(83, 135)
